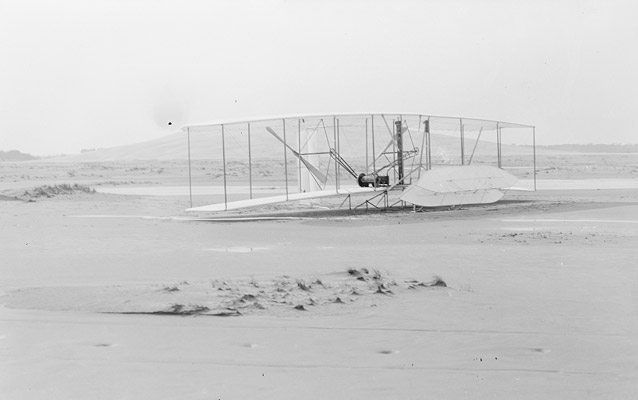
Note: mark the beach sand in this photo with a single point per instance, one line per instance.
(115, 296)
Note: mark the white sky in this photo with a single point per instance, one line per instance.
(89, 74)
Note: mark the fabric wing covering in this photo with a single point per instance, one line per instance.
(456, 185)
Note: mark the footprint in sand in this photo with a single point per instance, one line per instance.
(539, 350)
(236, 249)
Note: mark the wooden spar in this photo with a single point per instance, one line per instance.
(250, 163)
(534, 148)
(283, 121)
(338, 149)
(299, 152)
(429, 143)
(422, 148)
(475, 145)
(374, 158)
(224, 162)
(367, 157)
(462, 142)
(334, 145)
(398, 126)
(498, 144)
(190, 180)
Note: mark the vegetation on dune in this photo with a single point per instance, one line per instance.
(55, 190)
(248, 296)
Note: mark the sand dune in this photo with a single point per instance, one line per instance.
(207, 145)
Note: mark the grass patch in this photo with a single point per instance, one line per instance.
(49, 191)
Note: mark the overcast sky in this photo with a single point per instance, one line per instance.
(89, 74)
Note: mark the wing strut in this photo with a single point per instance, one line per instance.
(313, 170)
(341, 161)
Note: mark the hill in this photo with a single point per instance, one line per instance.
(594, 148)
(15, 155)
(208, 146)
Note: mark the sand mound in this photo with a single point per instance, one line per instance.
(49, 191)
(281, 295)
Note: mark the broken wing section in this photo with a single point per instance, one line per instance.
(457, 185)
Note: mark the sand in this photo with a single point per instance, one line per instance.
(113, 296)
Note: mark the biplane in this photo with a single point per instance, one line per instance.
(379, 160)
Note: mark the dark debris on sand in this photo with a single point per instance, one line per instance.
(235, 298)
(49, 191)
